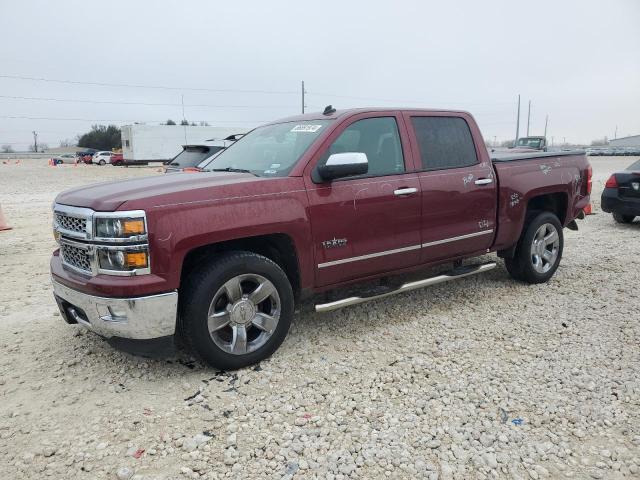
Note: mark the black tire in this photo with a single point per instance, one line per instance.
(618, 217)
(197, 294)
(521, 266)
(101, 163)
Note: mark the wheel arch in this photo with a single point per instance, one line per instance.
(554, 202)
(278, 247)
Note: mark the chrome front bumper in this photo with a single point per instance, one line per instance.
(140, 318)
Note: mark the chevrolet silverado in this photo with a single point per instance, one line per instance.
(300, 206)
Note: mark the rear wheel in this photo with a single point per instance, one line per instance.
(618, 217)
(235, 310)
(101, 162)
(539, 250)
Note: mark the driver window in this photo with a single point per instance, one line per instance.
(378, 138)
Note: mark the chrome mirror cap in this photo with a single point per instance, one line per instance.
(346, 164)
(347, 158)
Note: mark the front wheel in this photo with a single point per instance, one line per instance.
(235, 310)
(101, 163)
(539, 250)
(618, 217)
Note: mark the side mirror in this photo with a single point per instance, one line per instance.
(340, 165)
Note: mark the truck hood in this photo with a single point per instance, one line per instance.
(156, 190)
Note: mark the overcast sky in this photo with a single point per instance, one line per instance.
(578, 61)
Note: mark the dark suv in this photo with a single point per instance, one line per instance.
(193, 155)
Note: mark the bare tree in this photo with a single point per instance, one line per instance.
(41, 147)
(67, 142)
(7, 149)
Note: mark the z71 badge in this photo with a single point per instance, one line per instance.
(335, 242)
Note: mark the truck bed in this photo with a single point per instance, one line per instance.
(512, 157)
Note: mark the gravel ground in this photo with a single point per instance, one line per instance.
(480, 378)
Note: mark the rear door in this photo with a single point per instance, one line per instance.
(367, 224)
(457, 183)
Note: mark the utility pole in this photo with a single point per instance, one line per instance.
(615, 135)
(183, 119)
(35, 141)
(528, 118)
(517, 123)
(495, 141)
(546, 122)
(303, 92)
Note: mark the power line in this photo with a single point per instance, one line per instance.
(401, 101)
(158, 87)
(121, 120)
(113, 102)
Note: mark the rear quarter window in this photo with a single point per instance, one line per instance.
(634, 167)
(444, 142)
(190, 157)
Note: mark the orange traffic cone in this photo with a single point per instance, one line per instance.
(588, 210)
(3, 222)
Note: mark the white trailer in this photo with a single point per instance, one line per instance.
(160, 143)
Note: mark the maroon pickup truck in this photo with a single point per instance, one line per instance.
(301, 206)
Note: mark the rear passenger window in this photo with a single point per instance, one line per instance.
(445, 142)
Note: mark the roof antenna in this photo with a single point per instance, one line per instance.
(328, 110)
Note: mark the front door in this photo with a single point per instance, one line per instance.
(367, 224)
(458, 187)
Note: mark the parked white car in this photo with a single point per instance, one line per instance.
(101, 158)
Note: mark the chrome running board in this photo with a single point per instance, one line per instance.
(407, 287)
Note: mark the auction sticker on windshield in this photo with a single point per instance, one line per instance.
(306, 128)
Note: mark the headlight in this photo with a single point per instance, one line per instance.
(123, 259)
(120, 227)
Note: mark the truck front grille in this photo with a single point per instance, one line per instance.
(71, 224)
(76, 257)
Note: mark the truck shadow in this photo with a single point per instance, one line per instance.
(311, 327)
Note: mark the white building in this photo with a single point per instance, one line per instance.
(155, 143)
(633, 141)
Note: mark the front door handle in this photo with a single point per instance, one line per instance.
(405, 191)
(484, 181)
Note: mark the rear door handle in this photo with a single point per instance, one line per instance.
(484, 181)
(405, 191)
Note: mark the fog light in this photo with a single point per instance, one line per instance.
(117, 313)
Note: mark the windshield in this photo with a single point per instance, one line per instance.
(192, 156)
(270, 151)
(529, 142)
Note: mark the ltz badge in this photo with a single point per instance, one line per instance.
(335, 242)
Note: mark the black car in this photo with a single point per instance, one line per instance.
(621, 194)
(193, 155)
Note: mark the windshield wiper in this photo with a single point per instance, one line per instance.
(231, 169)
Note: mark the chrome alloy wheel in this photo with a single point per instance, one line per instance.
(244, 313)
(544, 248)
